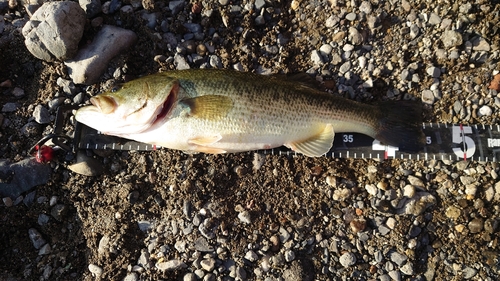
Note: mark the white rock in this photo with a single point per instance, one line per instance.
(355, 37)
(332, 21)
(428, 97)
(170, 265)
(54, 31)
(103, 245)
(95, 270)
(419, 203)
(489, 193)
(434, 19)
(371, 189)
(180, 62)
(485, 111)
(325, 50)
(433, 71)
(41, 115)
(348, 259)
(341, 194)
(471, 189)
(451, 38)
(245, 217)
(289, 255)
(331, 181)
(208, 264)
(92, 60)
(391, 223)
(414, 31)
(362, 62)
(417, 182)
(480, 44)
(251, 256)
(316, 58)
(497, 191)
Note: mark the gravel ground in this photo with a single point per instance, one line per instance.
(165, 215)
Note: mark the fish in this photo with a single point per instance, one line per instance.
(225, 111)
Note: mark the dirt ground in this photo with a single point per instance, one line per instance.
(168, 189)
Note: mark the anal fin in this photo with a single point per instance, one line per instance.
(316, 145)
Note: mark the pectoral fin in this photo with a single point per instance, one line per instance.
(203, 144)
(316, 145)
(210, 107)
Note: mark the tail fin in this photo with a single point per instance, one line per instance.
(401, 125)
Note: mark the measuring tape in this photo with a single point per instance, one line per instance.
(443, 142)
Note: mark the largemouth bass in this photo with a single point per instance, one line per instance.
(222, 111)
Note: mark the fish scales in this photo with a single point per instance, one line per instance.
(275, 106)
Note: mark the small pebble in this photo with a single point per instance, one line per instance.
(433, 71)
(7, 201)
(476, 225)
(428, 97)
(251, 256)
(434, 19)
(316, 58)
(452, 212)
(41, 115)
(407, 269)
(398, 258)
(95, 270)
(10, 107)
(208, 264)
(18, 92)
(132, 276)
(350, 16)
(485, 111)
(36, 238)
(451, 38)
(347, 259)
(245, 217)
(170, 265)
(469, 272)
(45, 250)
(355, 37)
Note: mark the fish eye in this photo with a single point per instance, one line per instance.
(116, 87)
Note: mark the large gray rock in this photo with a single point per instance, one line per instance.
(20, 177)
(54, 30)
(92, 60)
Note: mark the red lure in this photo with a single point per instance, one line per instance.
(44, 153)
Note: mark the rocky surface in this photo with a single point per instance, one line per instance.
(166, 215)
